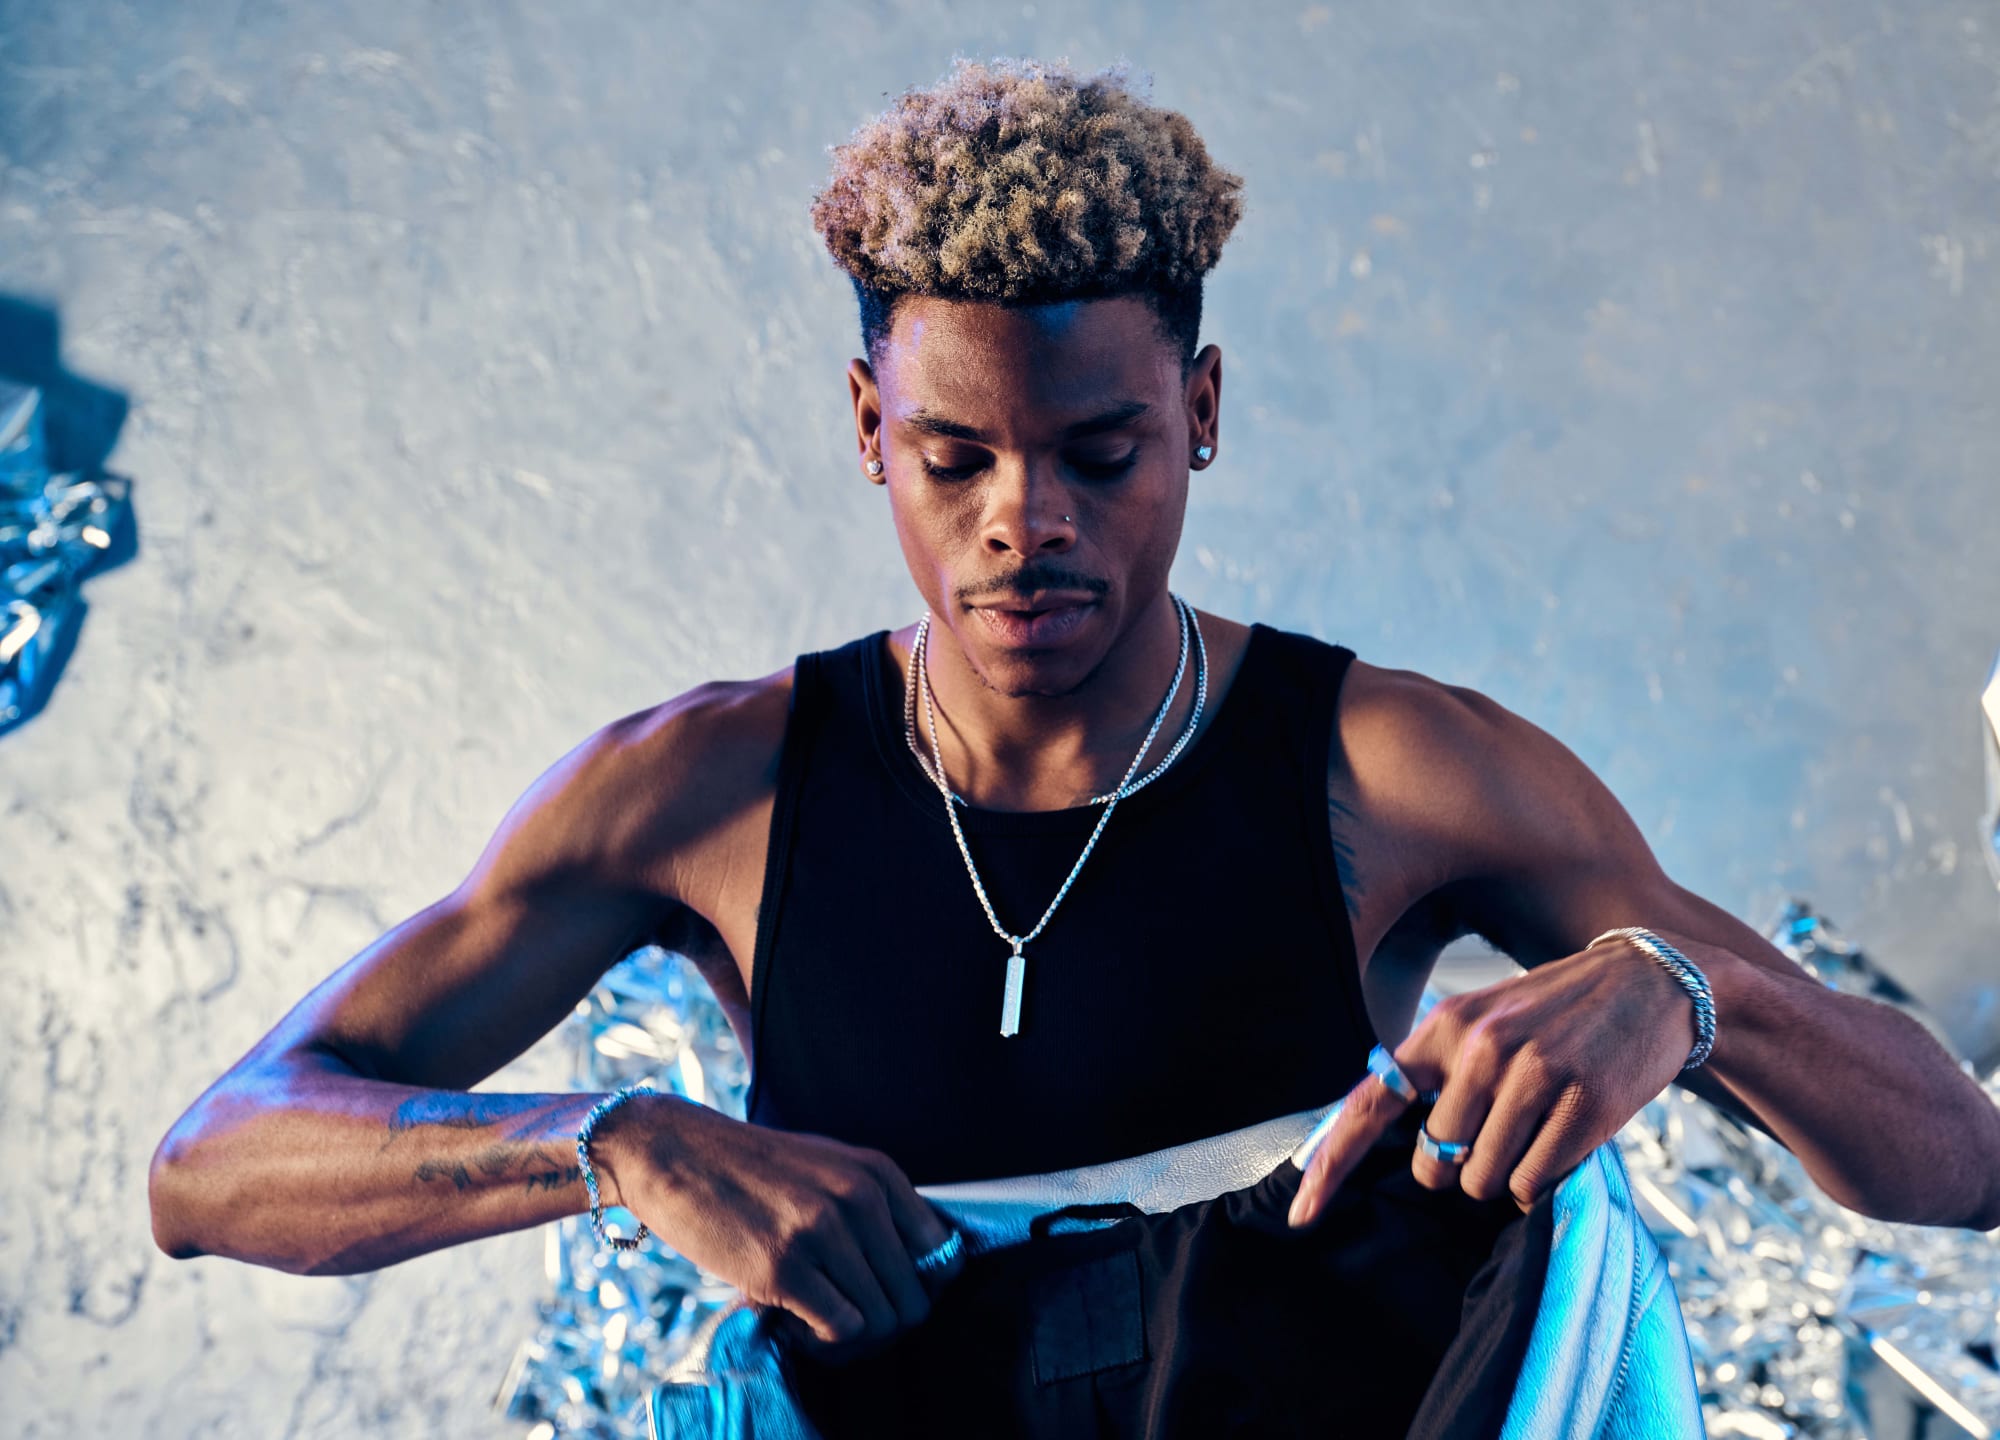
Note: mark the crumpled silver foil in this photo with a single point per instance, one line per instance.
(1806, 1319)
(53, 531)
(617, 1319)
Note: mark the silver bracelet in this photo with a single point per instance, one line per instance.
(1691, 980)
(598, 1112)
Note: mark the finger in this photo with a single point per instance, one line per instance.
(1566, 1138)
(1464, 1104)
(849, 1269)
(921, 1227)
(811, 1296)
(942, 1272)
(895, 1267)
(1519, 1107)
(1365, 1112)
(1374, 1108)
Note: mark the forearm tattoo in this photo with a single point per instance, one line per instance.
(461, 1112)
(516, 1155)
(534, 1166)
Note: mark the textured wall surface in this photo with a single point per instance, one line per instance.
(1636, 365)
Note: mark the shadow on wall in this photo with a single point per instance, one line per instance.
(62, 519)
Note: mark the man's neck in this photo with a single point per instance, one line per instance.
(1049, 752)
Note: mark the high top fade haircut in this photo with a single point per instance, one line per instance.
(1020, 182)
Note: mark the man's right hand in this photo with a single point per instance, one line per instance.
(827, 1231)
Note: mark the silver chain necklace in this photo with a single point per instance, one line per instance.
(1180, 742)
(933, 765)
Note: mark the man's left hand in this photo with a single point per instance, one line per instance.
(1536, 1071)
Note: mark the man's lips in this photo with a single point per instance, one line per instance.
(1044, 618)
(1039, 600)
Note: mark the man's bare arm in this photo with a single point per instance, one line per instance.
(344, 1140)
(1880, 1115)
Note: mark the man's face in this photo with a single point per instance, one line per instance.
(1037, 464)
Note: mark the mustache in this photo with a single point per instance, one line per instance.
(1031, 578)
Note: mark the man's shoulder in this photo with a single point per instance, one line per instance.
(658, 784)
(1394, 720)
(714, 747)
(721, 736)
(1450, 765)
(1435, 756)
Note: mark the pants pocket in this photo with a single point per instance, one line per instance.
(1087, 1317)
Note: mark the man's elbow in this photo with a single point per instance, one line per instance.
(1989, 1217)
(172, 1194)
(197, 1193)
(199, 1209)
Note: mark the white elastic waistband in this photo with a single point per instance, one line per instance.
(998, 1212)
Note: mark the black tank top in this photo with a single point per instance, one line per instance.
(1200, 976)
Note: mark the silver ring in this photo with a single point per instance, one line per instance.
(944, 1253)
(1452, 1152)
(1382, 1065)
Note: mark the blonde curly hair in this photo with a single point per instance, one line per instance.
(1021, 182)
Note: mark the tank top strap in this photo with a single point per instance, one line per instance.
(1303, 683)
(817, 680)
(1299, 701)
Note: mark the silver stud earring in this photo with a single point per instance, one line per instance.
(1202, 452)
(874, 467)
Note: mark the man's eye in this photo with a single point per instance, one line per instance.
(1089, 468)
(1106, 469)
(948, 472)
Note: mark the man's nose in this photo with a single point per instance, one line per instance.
(1028, 514)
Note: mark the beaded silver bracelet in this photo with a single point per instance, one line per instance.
(1691, 980)
(598, 1112)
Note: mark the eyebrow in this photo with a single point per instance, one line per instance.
(1116, 418)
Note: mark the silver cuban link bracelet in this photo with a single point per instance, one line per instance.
(598, 1112)
(1691, 980)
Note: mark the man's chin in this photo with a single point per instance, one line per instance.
(1034, 688)
(1022, 672)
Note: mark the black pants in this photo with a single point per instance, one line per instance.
(1404, 1313)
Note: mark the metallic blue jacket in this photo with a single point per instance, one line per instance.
(1607, 1357)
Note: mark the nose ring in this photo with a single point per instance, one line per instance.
(1066, 520)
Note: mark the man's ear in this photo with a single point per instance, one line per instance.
(867, 402)
(1204, 406)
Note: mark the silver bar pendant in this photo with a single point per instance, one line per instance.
(1010, 1007)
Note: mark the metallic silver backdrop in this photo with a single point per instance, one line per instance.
(1636, 366)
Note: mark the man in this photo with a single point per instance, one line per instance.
(1169, 837)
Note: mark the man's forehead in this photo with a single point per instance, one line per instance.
(968, 365)
(1086, 421)
(924, 325)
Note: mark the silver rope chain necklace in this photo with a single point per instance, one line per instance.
(933, 766)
